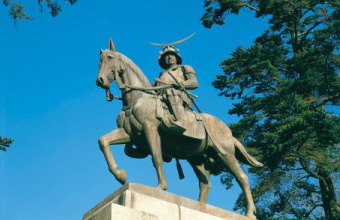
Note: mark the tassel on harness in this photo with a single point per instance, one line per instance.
(179, 169)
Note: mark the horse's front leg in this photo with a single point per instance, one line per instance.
(117, 136)
(154, 142)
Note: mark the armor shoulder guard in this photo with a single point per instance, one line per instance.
(188, 69)
(155, 83)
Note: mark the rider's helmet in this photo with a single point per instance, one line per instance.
(168, 50)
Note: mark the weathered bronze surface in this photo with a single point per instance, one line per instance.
(159, 121)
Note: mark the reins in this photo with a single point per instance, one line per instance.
(149, 88)
(110, 97)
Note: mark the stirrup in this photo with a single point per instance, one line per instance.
(177, 127)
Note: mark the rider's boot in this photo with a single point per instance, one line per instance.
(179, 114)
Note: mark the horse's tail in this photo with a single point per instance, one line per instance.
(223, 140)
(247, 158)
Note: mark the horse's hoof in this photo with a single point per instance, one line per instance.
(251, 215)
(162, 186)
(121, 176)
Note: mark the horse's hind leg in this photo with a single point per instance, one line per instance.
(203, 176)
(233, 166)
(117, 136)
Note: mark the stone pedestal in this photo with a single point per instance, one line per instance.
(139, 202)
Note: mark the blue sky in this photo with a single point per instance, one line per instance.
(50, 105)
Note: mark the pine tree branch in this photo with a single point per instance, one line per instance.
(288, 169)
(287, 27)
(41, 6)
(323, 101)
(306, 32)
(309, 31)
(306, 11)
(306, 167)
(5, 143)
(11, 3)
(310, 211)
(250, 6)
(291, 3)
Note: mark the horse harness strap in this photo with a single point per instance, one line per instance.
(147, 89)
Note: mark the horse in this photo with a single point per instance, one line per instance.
(139, 126)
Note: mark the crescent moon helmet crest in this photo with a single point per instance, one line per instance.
(173, 43)
(169, 49)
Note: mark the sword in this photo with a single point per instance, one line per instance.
(186, 92)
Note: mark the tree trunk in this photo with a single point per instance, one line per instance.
(329, 199)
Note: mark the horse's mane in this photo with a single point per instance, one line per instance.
(129, 63)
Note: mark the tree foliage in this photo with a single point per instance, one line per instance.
(18, 11)
(5, 143)
(287, 88)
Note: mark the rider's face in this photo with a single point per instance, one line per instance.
(170, 59)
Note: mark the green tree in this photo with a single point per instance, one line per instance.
(287, 92)
(18, 11)
(5, 143)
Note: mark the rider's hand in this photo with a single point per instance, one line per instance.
(176, 86)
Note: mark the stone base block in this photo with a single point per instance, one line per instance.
(113, 211)
(139, 202)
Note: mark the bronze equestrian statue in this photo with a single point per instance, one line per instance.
(151, 124)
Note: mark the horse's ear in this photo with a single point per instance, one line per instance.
(111, 46)
(101, 51)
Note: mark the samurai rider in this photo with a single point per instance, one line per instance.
(176, 99)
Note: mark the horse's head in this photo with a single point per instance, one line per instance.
(109, 67)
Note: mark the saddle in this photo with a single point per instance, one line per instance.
(193, 122)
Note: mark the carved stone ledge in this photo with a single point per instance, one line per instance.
(140, 202)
